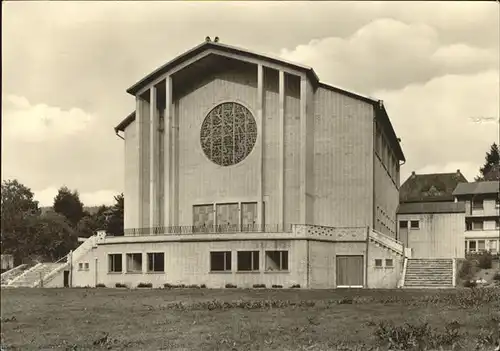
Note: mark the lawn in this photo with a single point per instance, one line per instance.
(236, 319)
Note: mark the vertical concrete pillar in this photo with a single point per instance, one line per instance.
(167, 169)
(303, 148)
(153, 160)
(139, 116)
(281, 156)
(260, 121)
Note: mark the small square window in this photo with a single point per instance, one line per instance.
(220, 261)
(477, 225)
(378, 262)
(477, 204)
(80, 266)
(86, 266)
(403, 224)
(248, 260)
(415, 224)
(389, 262)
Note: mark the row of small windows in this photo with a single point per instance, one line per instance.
(389, 263)
(478, 204)
(479, 224)
(83, 266)
(481, 245)
(415, 225)
(248, 261)
(220, 261)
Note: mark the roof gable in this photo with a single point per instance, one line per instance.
(430, 187)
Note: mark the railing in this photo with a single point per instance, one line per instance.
(212, 229)
(386, 240)
(51, 274)
(12, 273)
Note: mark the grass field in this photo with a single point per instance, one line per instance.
(201, 319)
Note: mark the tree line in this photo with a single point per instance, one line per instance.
(30, 234)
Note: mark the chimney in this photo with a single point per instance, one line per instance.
(413, 174)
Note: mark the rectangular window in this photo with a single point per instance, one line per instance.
(477, 225)
(415, 225)
(248, 261)
(115, 263)
(481, 245)
(378, 262)
(227, 217)
(497, 202)
(403, 224)
(389, 262)
(80, 266)
(493, 246)
(249, 216)
(86, 266)
(203, 218)
(156, 262)
(497, 224)
(277, 260)
(220, 261)
(477, 204)
(472, 245)
(134, 262)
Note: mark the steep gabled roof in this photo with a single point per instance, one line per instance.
(431, 207)
(477, 188)
(379, 109)
(430, 187)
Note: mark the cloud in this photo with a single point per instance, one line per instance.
(46, 196)
(450, 121)
(25, 122)
(389, 54)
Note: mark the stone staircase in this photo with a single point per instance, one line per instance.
(429, 273)
(33, 275)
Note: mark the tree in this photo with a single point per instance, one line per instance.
(69, 205)
(114, 223)
(53, 237)
(19, 215)
(90, 223)
(492, 161)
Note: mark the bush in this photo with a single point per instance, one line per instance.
(496, 276)
(259, 286)
(120, 285)
(470, 284)
(145, 285)
(100, 285)
(485, 260)
(277, 286)
(296, 286)
(230, 286)
(203, 286)
(466, 270)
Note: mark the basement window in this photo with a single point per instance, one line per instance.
(156, 262)
(277, 260)
(115, 263)
(389, 263)
(220, 261)
(415, 225)
(378, 263)
(248, 261)
(134, 263)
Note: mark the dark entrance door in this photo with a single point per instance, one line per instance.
(66, 279)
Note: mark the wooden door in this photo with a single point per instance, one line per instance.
(350, 271)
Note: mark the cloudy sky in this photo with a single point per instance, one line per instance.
(66, 66)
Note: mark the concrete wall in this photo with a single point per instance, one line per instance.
(189, 263)
(131, 204)
(323, 261)
(441, 235)
(383, 277)
(343, 161)
(86, 277)
(56, 282)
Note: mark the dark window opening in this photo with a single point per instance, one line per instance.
(248, 260)
(220, 261)
(115, 263)
(134, 262)
(156, 262)
(415, 225)
(277, 260)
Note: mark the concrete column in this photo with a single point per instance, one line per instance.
(303, 148)
(167, 169)
(281, 156)
(260, 121)
(153, 161)
(139, 116)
